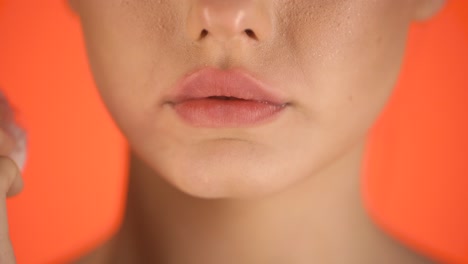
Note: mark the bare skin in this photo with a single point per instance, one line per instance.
(335, 63)
(284, 192)
(321, 221)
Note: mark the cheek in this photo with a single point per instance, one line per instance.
(351, 61)
(129, 68)
(345, 66)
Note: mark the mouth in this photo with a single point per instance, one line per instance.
(215, 98)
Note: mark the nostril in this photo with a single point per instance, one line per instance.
(251, 34)
(203, 34)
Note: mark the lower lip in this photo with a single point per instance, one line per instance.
(226, 113)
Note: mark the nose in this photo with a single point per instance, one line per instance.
(224, 20)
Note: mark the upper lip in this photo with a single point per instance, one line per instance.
(234, 83)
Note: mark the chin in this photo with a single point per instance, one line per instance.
(218, 184)
(211, 173)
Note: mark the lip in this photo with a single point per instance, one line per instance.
(212, 97)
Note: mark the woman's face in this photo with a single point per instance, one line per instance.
(334, 62)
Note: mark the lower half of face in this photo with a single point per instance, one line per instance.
(334, 62)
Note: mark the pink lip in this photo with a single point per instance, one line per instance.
(200, 99)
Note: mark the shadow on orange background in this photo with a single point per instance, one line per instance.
(415, 174)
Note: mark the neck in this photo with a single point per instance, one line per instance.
(321, 220)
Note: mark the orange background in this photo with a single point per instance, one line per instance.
(415, 174)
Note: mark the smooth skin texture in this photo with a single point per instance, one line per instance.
(339, 61)
(285, 192)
